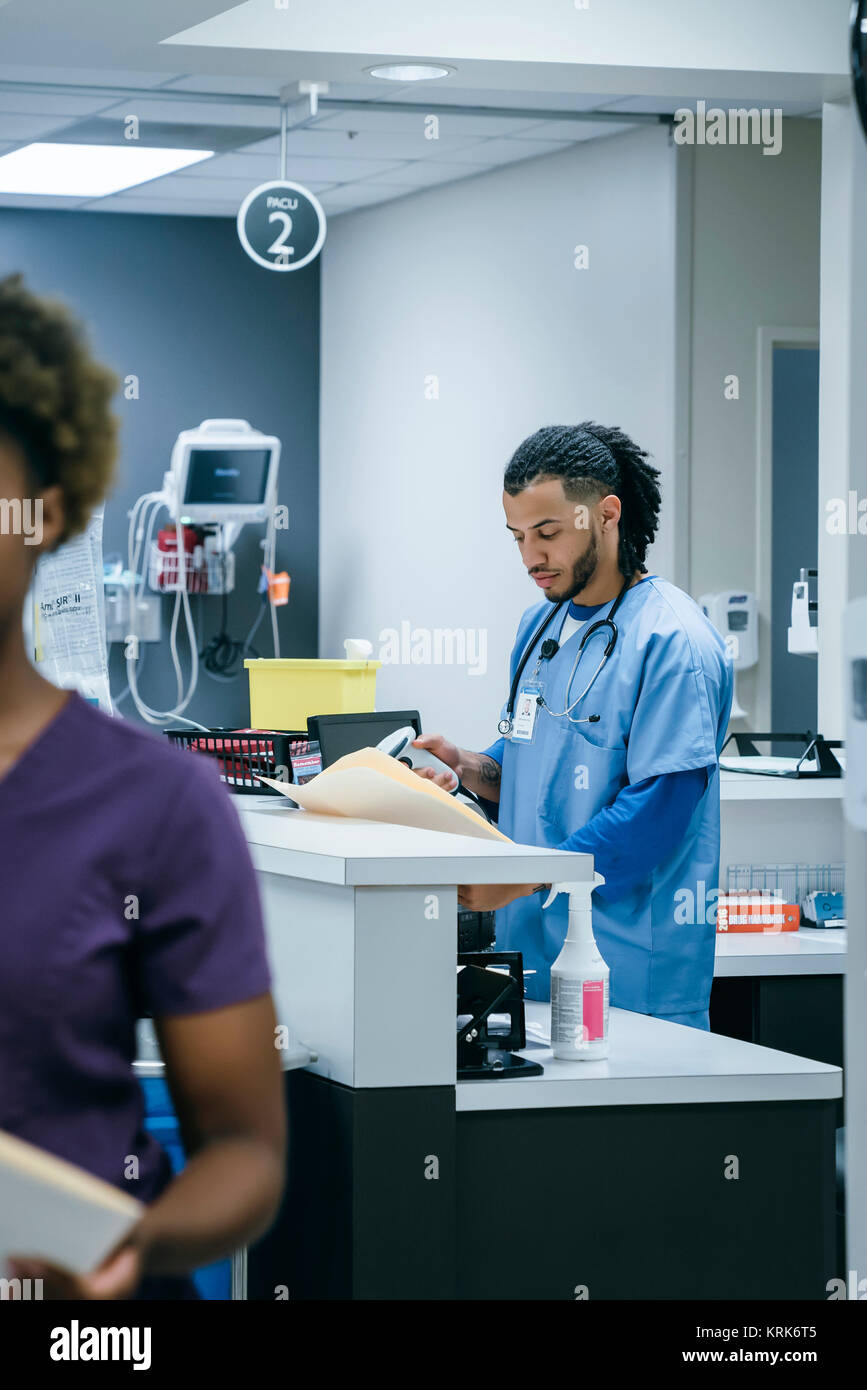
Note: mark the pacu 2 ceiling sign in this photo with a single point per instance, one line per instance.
(281, 225)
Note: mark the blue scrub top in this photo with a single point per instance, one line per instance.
(663, 698)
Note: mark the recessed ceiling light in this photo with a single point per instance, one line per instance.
(88, 171)
(408, 72)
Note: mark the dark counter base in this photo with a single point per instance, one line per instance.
(631, 1202)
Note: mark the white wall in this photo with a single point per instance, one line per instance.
(475, 283)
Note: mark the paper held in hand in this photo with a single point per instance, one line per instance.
(369, 785)
(56, 1211)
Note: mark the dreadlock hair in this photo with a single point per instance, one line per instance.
(592, 460)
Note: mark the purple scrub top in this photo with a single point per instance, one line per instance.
(126, 889)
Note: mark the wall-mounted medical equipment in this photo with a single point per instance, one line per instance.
(803, 639)
(222, 476)
(224, 471)
(119, 585)
(209, 568)
(735, 615)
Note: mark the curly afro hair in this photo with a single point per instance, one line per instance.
(54, 401)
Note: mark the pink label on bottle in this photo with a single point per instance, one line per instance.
(593, 1009)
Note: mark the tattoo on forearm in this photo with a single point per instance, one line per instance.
(489, 772)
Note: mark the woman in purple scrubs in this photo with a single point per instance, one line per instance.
(126, 888)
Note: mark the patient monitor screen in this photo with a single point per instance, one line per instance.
(234, 476)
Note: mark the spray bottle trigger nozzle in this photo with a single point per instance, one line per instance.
(586, 887)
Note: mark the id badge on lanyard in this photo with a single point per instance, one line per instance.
(527, 710)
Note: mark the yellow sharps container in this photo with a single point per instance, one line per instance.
(283, 692)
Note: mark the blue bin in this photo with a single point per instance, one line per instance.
(214, 1281)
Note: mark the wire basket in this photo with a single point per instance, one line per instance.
(789, 883)
(215, 573)
(244, 755)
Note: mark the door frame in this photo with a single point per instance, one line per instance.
(768, 338)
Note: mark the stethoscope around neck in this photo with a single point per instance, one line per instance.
(549, 648)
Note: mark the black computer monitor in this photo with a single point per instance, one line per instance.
(339, 734)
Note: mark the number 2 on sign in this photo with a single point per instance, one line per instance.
(278, 248)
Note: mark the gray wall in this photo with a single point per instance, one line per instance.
(794, 698)
(475, 284)
(755, 264)
(175, 301)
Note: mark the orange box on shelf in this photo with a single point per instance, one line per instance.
(755, 912)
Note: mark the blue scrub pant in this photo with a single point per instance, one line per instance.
(699, 1019)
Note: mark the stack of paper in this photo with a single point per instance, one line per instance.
(369, 785)
(53, 1210)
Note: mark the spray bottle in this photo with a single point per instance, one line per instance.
(579, 982)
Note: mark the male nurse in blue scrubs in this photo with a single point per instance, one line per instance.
(617, 755)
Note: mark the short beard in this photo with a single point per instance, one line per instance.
(582, 572)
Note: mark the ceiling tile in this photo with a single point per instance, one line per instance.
(49, 104)
(367, 144)
(574, 130)
(410, 123)
(17, 128)
(455, 96)
(232, 86)
(357, 195)
(177, 135)
(121, 203)
(660, 105)
(489, 153)
(258, 168)
(428, 171)
(303, 169)
(87, 77)
(199, 112)
(176, 186)
(32, 200)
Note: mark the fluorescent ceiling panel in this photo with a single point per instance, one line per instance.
(87, 171)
